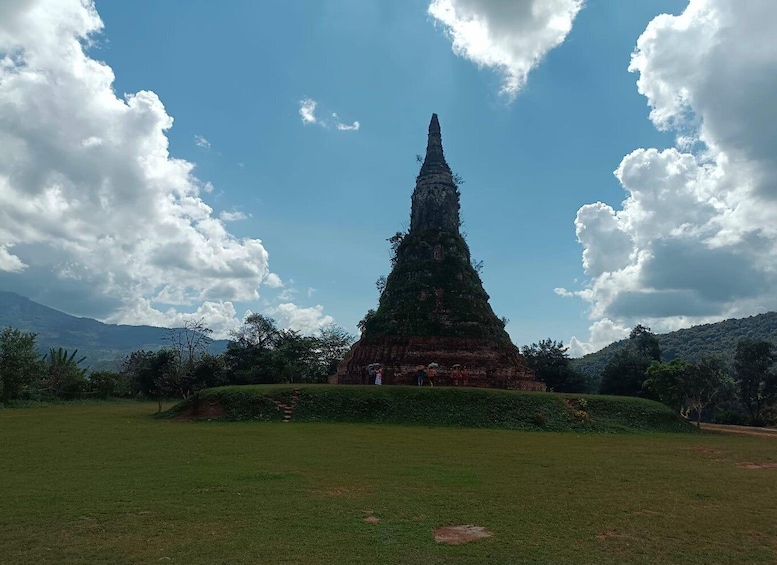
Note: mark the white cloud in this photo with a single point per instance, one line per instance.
(305, 320)
(200, 141)
(601, 333)
(235, 216)
(510, 36)
(8, 262)
(218, 316)
(307, 111)
(345, 127)
(89, 195)
(695, 241)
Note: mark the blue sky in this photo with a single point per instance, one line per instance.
(244, 205)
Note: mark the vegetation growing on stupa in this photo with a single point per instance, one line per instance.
(433, 290)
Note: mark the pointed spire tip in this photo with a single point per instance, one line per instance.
(434, 125)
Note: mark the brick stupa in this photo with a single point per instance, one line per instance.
(433, 308)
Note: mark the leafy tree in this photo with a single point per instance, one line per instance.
(663, 382)
(108, 384)
(63, 376)
(703, 383)
(137, 370)
(167, 377)
(294, 358)
(257, 331)
(333, 344)
(249, 356)
(20, 366)
(756, 380)
(644, 341)
(625, 371)
(209, 371)
(551, 364)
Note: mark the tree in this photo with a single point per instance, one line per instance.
(624, 373)
(645, 343)
(756, 380)
(663, 382)
(20, 366)
(108, 384)
(190, 342)
(249, 356)
(137, 371)
(551, 365)
(294, 357)
(258, 331)
(63, 376)
(679, 384)
(702, 384)
(333, 344)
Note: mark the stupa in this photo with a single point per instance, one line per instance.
(433, 308)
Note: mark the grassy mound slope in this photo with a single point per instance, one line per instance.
(463, 407)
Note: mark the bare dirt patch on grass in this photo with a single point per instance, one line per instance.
(206, 410)
(747, 465)
(611, 534)
(457, 535)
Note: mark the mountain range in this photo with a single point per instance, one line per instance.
(691, 344)
(103, 345)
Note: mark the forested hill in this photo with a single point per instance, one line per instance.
(104, 345)
(693, 343)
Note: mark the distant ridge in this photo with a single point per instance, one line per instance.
(690, 344)
(104, 345)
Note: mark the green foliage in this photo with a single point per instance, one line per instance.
(645, 343)
(433, 274)
(262, 354)
(692, 386)
(333, 344)
(474, 408)
(663, 380)
(108, 384)
(624, 373)
(755, 376)
(21, 370)
(64, 378)
(551, 364)
(703, 383)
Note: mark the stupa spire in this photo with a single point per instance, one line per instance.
(435, 201)
(435, 159)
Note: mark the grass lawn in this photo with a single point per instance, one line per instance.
(110, 484)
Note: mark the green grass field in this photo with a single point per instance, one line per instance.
(111, 484)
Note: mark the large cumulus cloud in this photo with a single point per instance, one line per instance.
(695, 239)
(90, 198)
(512, 37)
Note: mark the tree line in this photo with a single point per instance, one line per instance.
(742, 392)
(257, 353)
